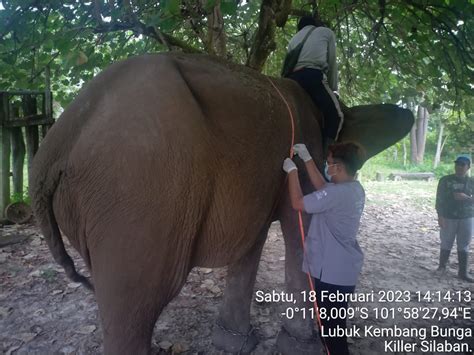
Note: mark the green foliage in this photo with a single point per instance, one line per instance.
(49, 274)
(172, 7)
(23, 197)
(229, 7)
(385, 163)
(400, 52)
(209, 5)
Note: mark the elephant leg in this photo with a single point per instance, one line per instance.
(132, 286)
(297, 335)
(233, 331)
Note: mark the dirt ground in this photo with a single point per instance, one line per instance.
(42, 312)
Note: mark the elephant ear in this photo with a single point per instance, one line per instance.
(375, 127)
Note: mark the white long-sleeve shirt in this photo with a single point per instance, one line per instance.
(318, 52)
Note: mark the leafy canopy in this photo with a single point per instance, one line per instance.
(388, 50)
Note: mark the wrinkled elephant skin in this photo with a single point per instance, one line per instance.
(167, 162)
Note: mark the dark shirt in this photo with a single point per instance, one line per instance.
(446, 205)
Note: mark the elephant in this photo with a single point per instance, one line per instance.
(165, 162)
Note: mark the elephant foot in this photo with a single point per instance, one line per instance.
(232, 341)
(288, 344)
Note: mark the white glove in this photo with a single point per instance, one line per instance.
(301, 150)
(288, 165)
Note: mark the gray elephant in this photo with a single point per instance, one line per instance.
(166, 162)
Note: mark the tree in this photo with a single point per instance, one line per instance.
(439, 144)
(418, 135)
(386, 47)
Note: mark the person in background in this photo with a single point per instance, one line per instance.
(316, 72)
(455, 208)
(333, 256)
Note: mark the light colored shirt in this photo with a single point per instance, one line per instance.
(318, 52)
(333, 254)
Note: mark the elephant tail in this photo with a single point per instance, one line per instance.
(42, 198)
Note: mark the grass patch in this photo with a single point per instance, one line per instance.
(386, 166)
(418, 193)
(21, 197)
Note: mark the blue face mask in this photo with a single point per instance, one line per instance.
(326, 171)
(326, 174)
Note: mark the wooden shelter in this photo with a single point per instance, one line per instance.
(26, 114)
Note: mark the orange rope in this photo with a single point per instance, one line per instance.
(300, 218)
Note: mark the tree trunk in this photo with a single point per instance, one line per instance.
(421, 131)
(413, 142)
(18, 152)
(216, 36)
(404, 144)
(273, 13)
(32, 137)
(437, 156)
(413, 145)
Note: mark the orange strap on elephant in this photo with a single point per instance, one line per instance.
(300, 218)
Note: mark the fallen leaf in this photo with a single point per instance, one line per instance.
(35, 242)
(25, 337)
(165, 345)
(74, 285)
(12, 349)
(3, 257)
(4, 311)
(161, 326)
(36, 273)
(87, 329)
(214, 289)
(68, 350)
(179, 348)
(39, 312)
(30, 256)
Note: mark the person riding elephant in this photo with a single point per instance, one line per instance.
(152, 171)
(316, 72)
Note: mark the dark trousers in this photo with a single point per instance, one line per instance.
(336, 345)
(311, 80)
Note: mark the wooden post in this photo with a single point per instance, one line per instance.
(4, 155)
(32, 136)
(18, 154)
(48, 102)
(44, 130)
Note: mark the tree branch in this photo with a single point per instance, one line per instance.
(216, 36)
(264, 39)
(377, 26)
(446, 27)
(16, 16)
(96, 11)
(150, 31)
(299, 12)
(282, 13)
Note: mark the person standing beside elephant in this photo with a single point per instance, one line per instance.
(316, 72)
(455, 207)
(333, 256)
